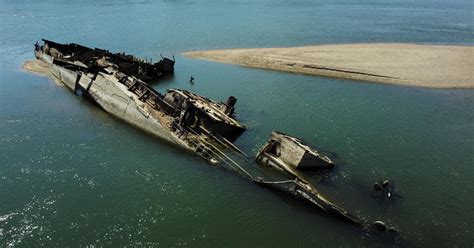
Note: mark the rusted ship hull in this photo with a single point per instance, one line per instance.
(133, 101)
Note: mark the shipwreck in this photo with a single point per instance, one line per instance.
(119, 84)
(185, 119)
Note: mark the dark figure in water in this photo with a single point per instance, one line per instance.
(191, 80)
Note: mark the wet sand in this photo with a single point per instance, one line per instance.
(41, 68)
(432, 66)
(36, 66)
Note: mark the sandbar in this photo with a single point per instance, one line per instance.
(434, 66)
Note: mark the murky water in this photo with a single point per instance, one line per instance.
(72, 175)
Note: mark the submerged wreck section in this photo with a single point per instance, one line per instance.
(288, 153)
(305, 191)
(99, 58)
(293, 157)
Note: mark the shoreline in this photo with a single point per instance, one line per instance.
(431, 66)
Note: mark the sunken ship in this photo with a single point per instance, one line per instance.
(117, 83)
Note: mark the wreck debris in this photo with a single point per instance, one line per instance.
(384, 189)
(381, 227)
(302, 189)
(288, 153)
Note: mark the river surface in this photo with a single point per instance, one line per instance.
(70, 174)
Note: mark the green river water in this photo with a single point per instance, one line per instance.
(71, 175)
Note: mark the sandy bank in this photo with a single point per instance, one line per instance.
(405, 64)
(39, 67)
(36, 66)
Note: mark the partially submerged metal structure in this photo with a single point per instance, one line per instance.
(289, 153)
(96, 58)
(207, 128)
